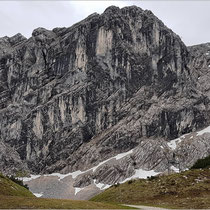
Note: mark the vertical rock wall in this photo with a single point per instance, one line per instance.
(72, 97)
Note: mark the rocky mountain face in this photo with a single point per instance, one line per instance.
(200, 61)
(73, 97)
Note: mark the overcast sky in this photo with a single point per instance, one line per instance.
(189, 19)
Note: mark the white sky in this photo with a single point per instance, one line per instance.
(189, 19)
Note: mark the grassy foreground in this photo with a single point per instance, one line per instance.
(10, 188)
(189, 189)
(15, 202)
(14, 196)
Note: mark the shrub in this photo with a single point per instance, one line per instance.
(130, 181)
(116, 185)
(151, 178)
(202, 163)
(17, 181)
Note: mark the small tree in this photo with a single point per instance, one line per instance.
(202, 163)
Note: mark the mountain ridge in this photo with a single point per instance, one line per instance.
(74, 97)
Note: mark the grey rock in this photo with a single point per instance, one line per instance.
(73, 97)
(10, 160)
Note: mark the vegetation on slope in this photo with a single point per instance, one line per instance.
(202, 163)
(189, 189)
(18, 181)
(10, 188)
(13, 196)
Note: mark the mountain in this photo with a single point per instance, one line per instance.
(15, 196)
(102, 101)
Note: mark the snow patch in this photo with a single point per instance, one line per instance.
(38, 195)
(173, 143)
(94, 168)
(205, 130)
(175, 169)
(27, 179)
(121, 155)
(141, 174)
(62, 176)
(77, 173)
(77, 189)
(101, 186)
(117, 157)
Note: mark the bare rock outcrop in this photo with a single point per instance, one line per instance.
(73, 97)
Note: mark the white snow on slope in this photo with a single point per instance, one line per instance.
(173, 143)
(141, 174)
(60, 176)
(26, 179)
(38, 195)
(101, 186)
(94, 168)
(205, 130)
(117, 157)
(121, 155)
(175, 169)
(77, 189)
(77, 173)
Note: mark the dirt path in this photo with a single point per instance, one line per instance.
(146, 207)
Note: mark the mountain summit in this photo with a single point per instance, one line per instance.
(113, 83)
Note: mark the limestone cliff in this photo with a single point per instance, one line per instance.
(73, 97)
